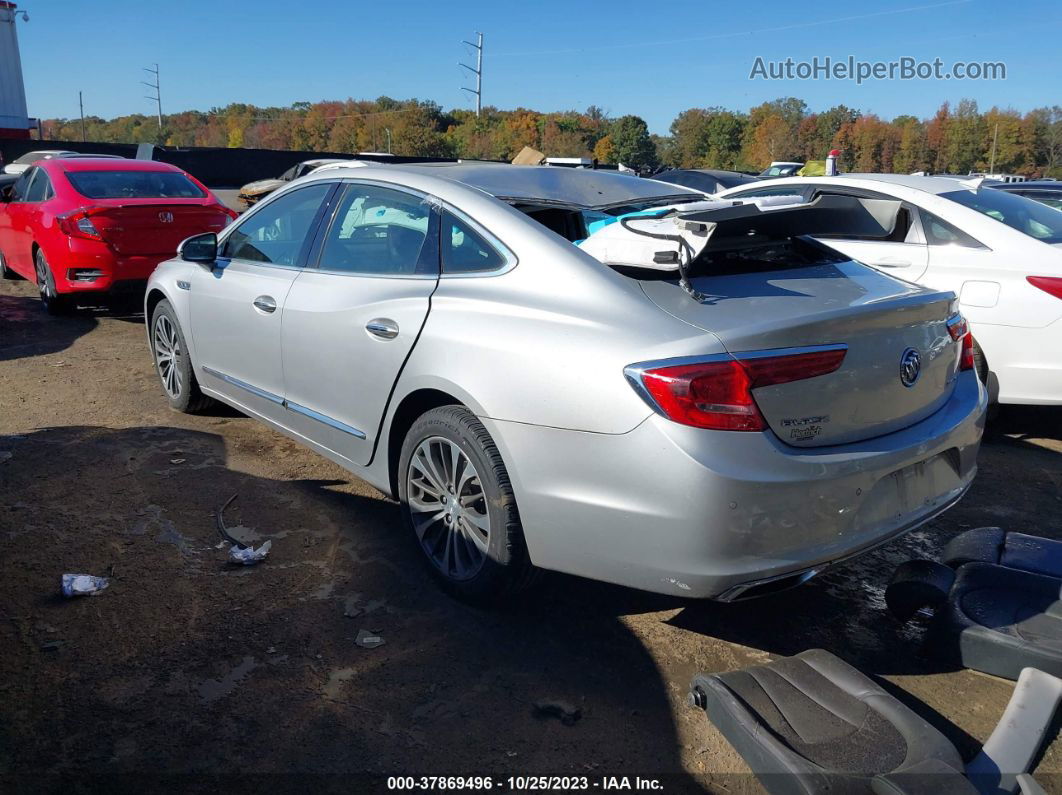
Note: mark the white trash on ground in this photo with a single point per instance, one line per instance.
(83, 585)
(248, 556)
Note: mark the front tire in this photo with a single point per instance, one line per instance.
(458, 501)
(52, 302)
(172, 362)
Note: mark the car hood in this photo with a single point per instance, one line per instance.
(261, 186)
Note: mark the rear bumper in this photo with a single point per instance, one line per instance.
(110, 271)
(696, 513)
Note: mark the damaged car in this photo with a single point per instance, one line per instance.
(583, 371)
(254, 192)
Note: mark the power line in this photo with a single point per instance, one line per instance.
(158, 93)
(478, 72)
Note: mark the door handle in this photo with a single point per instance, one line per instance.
(383, 328)
(893, 263)
(265, 303)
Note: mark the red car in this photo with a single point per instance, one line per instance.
(90, 228)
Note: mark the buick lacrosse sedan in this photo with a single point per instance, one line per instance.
(581, 371)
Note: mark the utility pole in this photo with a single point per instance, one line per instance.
(388, 131)
(478, 72)
(158, 93)
(81, 105)
(992, 160)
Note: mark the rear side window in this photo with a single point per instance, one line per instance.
(275, 233)
(40, 188)
(379, 231)
(939, 232)
(134, 185)
(464, 250)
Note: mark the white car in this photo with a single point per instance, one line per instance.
(20, 164)
(1000, 253)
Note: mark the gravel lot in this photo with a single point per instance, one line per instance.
(190, 668)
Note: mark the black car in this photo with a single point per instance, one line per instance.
(705, 180)
(1045, 191)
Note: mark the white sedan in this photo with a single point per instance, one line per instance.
(1000, 253)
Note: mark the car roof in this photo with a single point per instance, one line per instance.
(107, 164)
(574, 187)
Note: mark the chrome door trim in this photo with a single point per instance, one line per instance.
(295, 407)
(382, 328)
(265, 303)
(236, 382)
(324, 418)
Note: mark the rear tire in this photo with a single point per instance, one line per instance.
(172, 362)
(6, 272)
(51, 300)
(458, 503)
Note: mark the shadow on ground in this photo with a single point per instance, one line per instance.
(188, 665)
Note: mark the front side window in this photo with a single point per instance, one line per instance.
(464, 250)
(1028, 216)
(379, 232)
(21, 186)
(134, 185)
(275, 233)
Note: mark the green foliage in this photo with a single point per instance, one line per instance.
(631, 144)
(955, 140)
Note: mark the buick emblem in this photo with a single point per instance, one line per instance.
(910, 367)
(166, 217)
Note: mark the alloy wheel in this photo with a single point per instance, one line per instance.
(448, 507)
(167, 349)
(44, 285)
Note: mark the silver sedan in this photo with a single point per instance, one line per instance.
(545, 380)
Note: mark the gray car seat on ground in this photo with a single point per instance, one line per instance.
(813, 724)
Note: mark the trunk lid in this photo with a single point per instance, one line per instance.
(155, 227)
(879, 318)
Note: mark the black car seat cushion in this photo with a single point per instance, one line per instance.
(1000, 620)
(1013, 550)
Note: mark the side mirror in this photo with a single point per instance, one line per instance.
(199, 248)
(6, 192)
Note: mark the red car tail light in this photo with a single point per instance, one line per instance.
(232, 214)
(966, 356)
(79, 224)
(717, 395)
(1052, 285)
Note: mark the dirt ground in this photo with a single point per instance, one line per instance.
(188, 671)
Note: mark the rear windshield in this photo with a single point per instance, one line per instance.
(1028, 216)
(134, 185)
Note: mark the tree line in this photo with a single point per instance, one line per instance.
(955, 140)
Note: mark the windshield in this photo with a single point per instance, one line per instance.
(33, 157)
(134, 185)
(1028, 216)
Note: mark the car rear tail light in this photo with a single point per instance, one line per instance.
(79, 224)
(1052, 285)
(232, 214)
(717, 395)
(966, 354)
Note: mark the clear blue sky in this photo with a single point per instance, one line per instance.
(650, 59)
